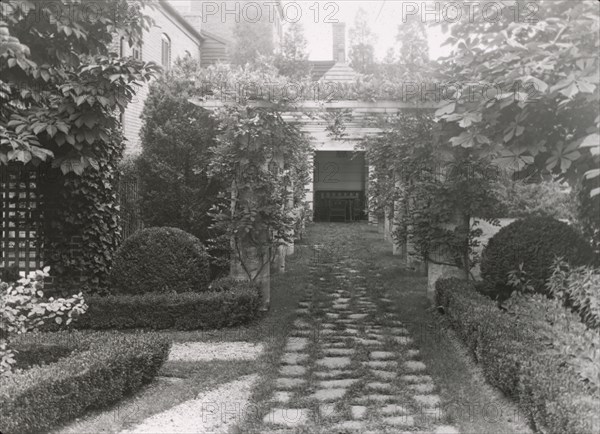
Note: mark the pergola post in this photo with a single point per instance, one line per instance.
(372, 215)
(399, 246)
(387, 223)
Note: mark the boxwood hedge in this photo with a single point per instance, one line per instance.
(536, 352)
(100, 370)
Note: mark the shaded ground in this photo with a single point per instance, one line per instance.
(351, 345)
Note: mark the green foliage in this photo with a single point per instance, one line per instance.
(177, 136)
(227, 305)
(24, 309)
(252, 41)
(439, 189)
(539, 78)
(160, 260)
(82, 226)
(536, 352)
(60, 86)
(577, 288)
(292, 59)
(101, 370)
(534, 242)
(362, 44)
(548, 198)
(588, 210)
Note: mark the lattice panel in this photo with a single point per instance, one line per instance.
(20, 228)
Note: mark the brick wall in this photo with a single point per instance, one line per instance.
(182, 42)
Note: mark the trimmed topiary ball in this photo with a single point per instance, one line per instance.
(535, 242)
(161, 260)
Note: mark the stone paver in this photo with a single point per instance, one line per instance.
(348, 338)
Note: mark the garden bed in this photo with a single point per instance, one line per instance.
(87, 371)
(534, 352)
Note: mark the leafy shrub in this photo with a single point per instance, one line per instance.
(23, 309)
(578, 288)
(161, 260)
(104, 368)
(534, 242)
(230, 306)
(535, 351)
(177, 138)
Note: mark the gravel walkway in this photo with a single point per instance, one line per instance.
(206, 351)
(216, 411)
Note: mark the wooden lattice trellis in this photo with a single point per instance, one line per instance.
(21, 224)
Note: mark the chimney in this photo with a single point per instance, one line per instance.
(339, 42)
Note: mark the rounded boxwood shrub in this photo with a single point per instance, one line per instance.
(161, 260)
(535, 242)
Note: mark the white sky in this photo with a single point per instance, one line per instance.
(384, 18)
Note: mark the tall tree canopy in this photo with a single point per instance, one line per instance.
(60, 87)
(292, 60)
(362, 44)
(526, 87)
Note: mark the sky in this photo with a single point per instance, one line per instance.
(384, 18)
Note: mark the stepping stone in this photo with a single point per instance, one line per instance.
(385, 300)
(422, 388)
(353, 332)
(296, 344)
(368, 342)
(302, 311)
(282, 396)
(446, 429)
(382, 355)
(330, 374)
(327, 326)
(385, 375)
(416, 378)
(412, 353)
(289, 417)
(328, 394)
(304, 304)
(377, 398)
(379, 386)
(394, 409)
(326, 410)
(336, 384)
(301, 333)
(294, 358)
(415, 366)
(358, 316)
(292, 370)
(289, 383)
(351, 425)
(358, 411)
(339, 351)
(334, 362)
(379, 364)
(403, 340)
(332, 315)
(400, 420)
(301, 324)
(398, 331)
(427, 400)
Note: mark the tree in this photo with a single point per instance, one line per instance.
(292, 60)
(527, 87)
(61, 89)
(362, 42)
(251, 41)
(60, 86)
(177, 137)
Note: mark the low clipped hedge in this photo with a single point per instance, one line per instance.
(100, 370)
(160, 260)
(535, 242)
(535, 352)
(231, 303)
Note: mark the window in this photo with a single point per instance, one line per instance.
(136, 52)
(166, 52)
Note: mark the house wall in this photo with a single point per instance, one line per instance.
(182, 43)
